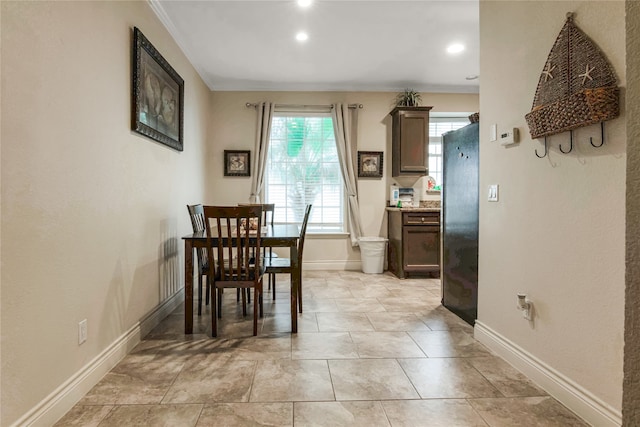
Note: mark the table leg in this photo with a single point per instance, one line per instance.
(188, 287)
(294, 288)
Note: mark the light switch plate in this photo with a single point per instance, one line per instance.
(493, 193)
(493, 132)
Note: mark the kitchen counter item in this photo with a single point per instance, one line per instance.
(412, 209)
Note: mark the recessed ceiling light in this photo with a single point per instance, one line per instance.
(304, 3)
(472, 77)
(302, 36)
(455, 48)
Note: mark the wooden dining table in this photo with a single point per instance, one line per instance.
(279, 235)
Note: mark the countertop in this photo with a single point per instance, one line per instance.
(412, 209)
(425, 206)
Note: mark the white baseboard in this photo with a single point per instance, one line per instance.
(573, 396)
(62, 399)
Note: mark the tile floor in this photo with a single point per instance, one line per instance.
(371, 350)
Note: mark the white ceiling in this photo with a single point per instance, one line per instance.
(353, 45)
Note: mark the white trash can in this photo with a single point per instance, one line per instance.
(372, 253)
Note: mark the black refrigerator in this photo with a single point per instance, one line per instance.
(460, 199)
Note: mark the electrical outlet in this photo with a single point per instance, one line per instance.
(82, 331)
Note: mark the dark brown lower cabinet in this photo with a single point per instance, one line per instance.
(414, 243)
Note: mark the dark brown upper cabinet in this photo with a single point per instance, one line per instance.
(410, 141)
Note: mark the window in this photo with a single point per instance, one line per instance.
(303, 167)
(438, 126)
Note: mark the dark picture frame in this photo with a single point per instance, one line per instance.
(370, 164)
(158, 95)
(237, 163)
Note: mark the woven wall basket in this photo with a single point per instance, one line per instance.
(577, 86)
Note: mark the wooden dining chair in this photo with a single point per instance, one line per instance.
(274, 266)
(196, 213)
(235, 266)
(268, 210)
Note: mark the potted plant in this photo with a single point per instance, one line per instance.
(408, 98)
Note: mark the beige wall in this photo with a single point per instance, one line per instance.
(557, 233)
(91, 212)
(233, 126)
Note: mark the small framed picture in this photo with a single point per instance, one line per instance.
(370, 164)
(237, 163)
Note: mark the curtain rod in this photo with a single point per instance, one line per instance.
(253, 105)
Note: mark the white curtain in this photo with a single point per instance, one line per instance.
(263, 130)
(345, 124)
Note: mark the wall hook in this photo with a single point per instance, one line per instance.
(601, 137)
(570, 143)
(546, 149)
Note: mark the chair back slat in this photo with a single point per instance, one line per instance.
(196, 213)
(303, 231)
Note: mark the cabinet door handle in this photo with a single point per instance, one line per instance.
(422, 219)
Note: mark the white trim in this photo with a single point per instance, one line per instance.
(575, 397)
(61, 400)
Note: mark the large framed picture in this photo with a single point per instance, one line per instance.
(237, 163)
(158, 95)
(370, 164)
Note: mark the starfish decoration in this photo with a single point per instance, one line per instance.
(587, 74)
(547, 71)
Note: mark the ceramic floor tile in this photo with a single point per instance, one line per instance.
(188, 349)
(371, 290)
(246, 414)
(432, 413)
(133, 383)
(370, 379)
(280, 306)
(526, 411)
(237, 326)
(339, 414)
(358, 305)
(348, 280)
(261, 347)
(281, 323)
(447, 378)
(341, 322)
(84, 416)
(153, 415)
(319, 305)
(440, 318)
(292, 381)
(406, 304)
(453, 343)
(385, 345)
(364, 355)
(333, 290)
(173, 326)
(214, 379)
(320, 274)
(396, 322)
(323, 345)
(355, 274)
(506, 378)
